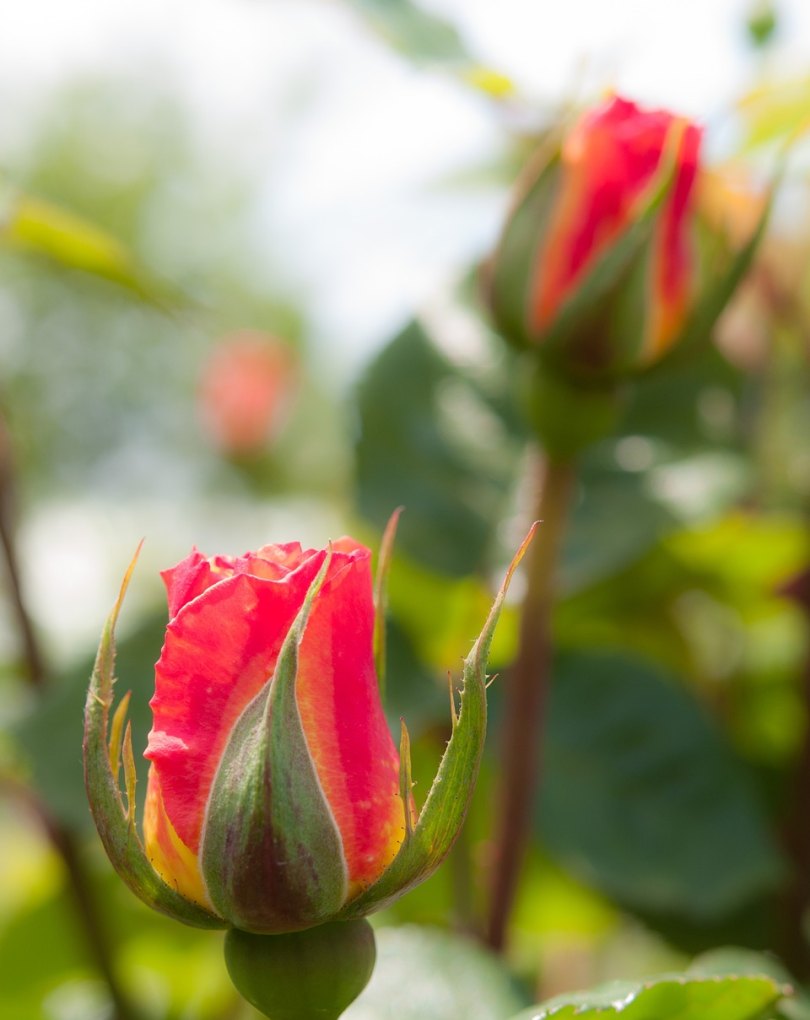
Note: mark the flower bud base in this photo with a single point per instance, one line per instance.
(306, 975)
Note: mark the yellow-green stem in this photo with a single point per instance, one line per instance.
(526, 689)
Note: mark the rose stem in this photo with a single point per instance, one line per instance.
(61, 838)
(526, 691)
(797, 825)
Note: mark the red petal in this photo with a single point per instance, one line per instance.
(220, 650)
(190, 578)
(608, 160)
(344, 723)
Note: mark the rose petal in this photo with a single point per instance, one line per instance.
(343, 720)
(220, 650)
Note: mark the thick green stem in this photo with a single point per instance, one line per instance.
(526, 691)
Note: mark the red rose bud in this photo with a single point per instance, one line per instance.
(276, 800)
(244, 391)
(606, 262)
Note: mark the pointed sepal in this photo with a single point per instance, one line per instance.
(381, 596)
(115, 821)
(271, 852)
(720, 288)
(445, 809)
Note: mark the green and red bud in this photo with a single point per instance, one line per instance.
(271, 803)
(607, 261)
(277, 801)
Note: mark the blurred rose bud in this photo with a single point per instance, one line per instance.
(276, 799)
(606, 261)
(245, 391)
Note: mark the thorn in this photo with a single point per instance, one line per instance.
(491, 680)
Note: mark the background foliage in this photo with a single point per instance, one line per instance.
(674, 811)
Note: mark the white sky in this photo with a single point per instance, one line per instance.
(350, 184)
(349, 180)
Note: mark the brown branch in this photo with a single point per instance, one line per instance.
(796, 901)
(61, 838)
(526, 693)
(32, 657)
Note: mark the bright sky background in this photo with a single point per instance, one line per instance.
(349, 144)
(345, 180)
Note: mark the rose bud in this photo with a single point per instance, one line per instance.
(607, 262)
(276, 800)
(244, 391)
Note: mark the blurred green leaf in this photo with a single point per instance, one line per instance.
(35, 226)
(667, 998)
(417, 34)
(425, 972)
(429, 442)
(614, 520)
(776, 111)
(643, 798)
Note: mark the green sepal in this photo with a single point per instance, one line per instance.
(510, 273)
(271, 852)
(304, 974)
(114, 821)
(598, 331)
(444, 811)
(716, 296)
(381, 597)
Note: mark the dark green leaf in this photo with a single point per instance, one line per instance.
(643, 798)
(428, 442)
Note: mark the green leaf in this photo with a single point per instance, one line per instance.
(421, 36)
(115, 827)
(450, 465)
(33, 225)
(445, 809)
(456, 978)
(592, 550)
(734, 960)
(667, 998)
(643, 798)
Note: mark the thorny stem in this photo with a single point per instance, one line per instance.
(526, 691)
(61, 838)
